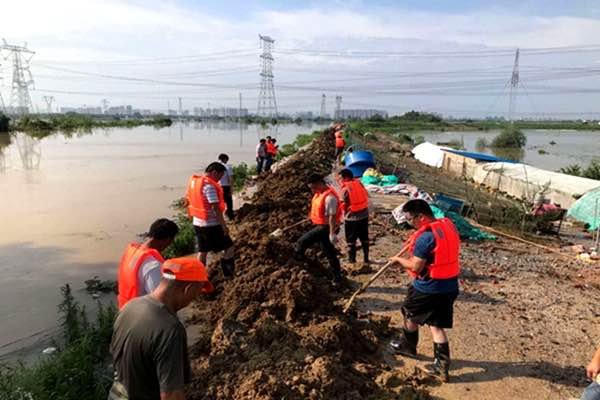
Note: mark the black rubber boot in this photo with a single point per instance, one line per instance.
(365, 249)
(228, 267)
(352, 253)
(406, 345)
(441, 362)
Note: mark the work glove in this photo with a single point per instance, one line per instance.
(332, 238)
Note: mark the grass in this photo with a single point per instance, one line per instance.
(69, 123)
(301, 140)
(241, 173)
(78, 370)
(185, 241)
(591, 172)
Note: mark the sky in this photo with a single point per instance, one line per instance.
(450, 57)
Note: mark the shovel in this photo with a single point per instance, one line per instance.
(372, 279)
(279, 231)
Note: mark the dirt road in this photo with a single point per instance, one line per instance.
(526, 323)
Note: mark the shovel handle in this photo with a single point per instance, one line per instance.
(287, 228)
(372, 279)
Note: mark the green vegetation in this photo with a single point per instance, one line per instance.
(411, 121)
(74, 122)
(78, 370)
(542, 151)
(481, 144)
(96, 285)
(185, 241)
(4, 122)
(510, 138)
(591, 172)
(453, 144)
(301, 140)
(241, 172)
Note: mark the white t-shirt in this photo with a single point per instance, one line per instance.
(209, 197)
(148, 276)
(227, 176)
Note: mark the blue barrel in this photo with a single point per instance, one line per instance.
(359, 161)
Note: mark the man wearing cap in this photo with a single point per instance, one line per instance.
(149, 343)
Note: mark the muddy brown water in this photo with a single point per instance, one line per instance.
(68, 206)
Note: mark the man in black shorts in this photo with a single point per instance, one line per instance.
(206, 204)
(434, 266)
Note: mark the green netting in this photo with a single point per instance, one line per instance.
(369, 180)
(389, 180)
(384, 180)
(587, 209)
(465, 229)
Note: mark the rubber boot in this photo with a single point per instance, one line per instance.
(441, 362)
(228, 267)
(352, 253)
(365, 249)
(406, 345)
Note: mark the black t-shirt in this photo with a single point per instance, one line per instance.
(149, 349)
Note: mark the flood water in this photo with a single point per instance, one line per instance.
(572, 147)
(69, 205)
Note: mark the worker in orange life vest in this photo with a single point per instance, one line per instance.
(340, 143)
(271, 152)
(139, 270)
(206, 203)
(433, 264)
(325, 214)
(355, 201)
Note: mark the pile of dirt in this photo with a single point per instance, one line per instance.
(275, 330)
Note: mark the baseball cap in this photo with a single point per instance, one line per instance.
(188, 270)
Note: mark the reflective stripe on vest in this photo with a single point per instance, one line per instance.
(195, 196)
(359, 197)
(317, 208)
(134, 256)
(446, 252)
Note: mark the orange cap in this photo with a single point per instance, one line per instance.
(188, 270)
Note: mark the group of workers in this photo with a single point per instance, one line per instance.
(266, 151)
(149, 346)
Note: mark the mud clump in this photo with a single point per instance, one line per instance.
(275, 331)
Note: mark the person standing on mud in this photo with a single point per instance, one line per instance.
(271, 152)
(261, 155)
(139, 268)
(434, 266)
(325, 214)
(225, 183)
(355, 201)
(206, 203)
(149, 343)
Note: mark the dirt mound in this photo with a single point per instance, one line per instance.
(274, 331)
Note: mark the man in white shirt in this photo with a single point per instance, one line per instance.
(226, 183)
(206, 204)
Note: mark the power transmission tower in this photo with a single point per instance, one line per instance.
(267, 104)
(180, 111)
(514, 85)
(323, 99)
(49, 100)
(20, 100)
(338, 106)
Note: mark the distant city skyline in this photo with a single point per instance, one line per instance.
(452, 58)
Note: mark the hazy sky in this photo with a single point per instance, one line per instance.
(453, 57)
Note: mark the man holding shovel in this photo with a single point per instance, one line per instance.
(433, 264)
(325, 214)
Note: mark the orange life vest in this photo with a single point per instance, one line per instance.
(134, 256)
(317, 208)
(271, 149)
(447, 248)
(339, 139)
(197, 206)
(359, 197)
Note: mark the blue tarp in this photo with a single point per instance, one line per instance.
(479, 156)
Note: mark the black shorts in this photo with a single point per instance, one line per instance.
(212, 238)
(433, 309)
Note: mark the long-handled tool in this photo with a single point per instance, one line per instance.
(279, 231)
(372, 279)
